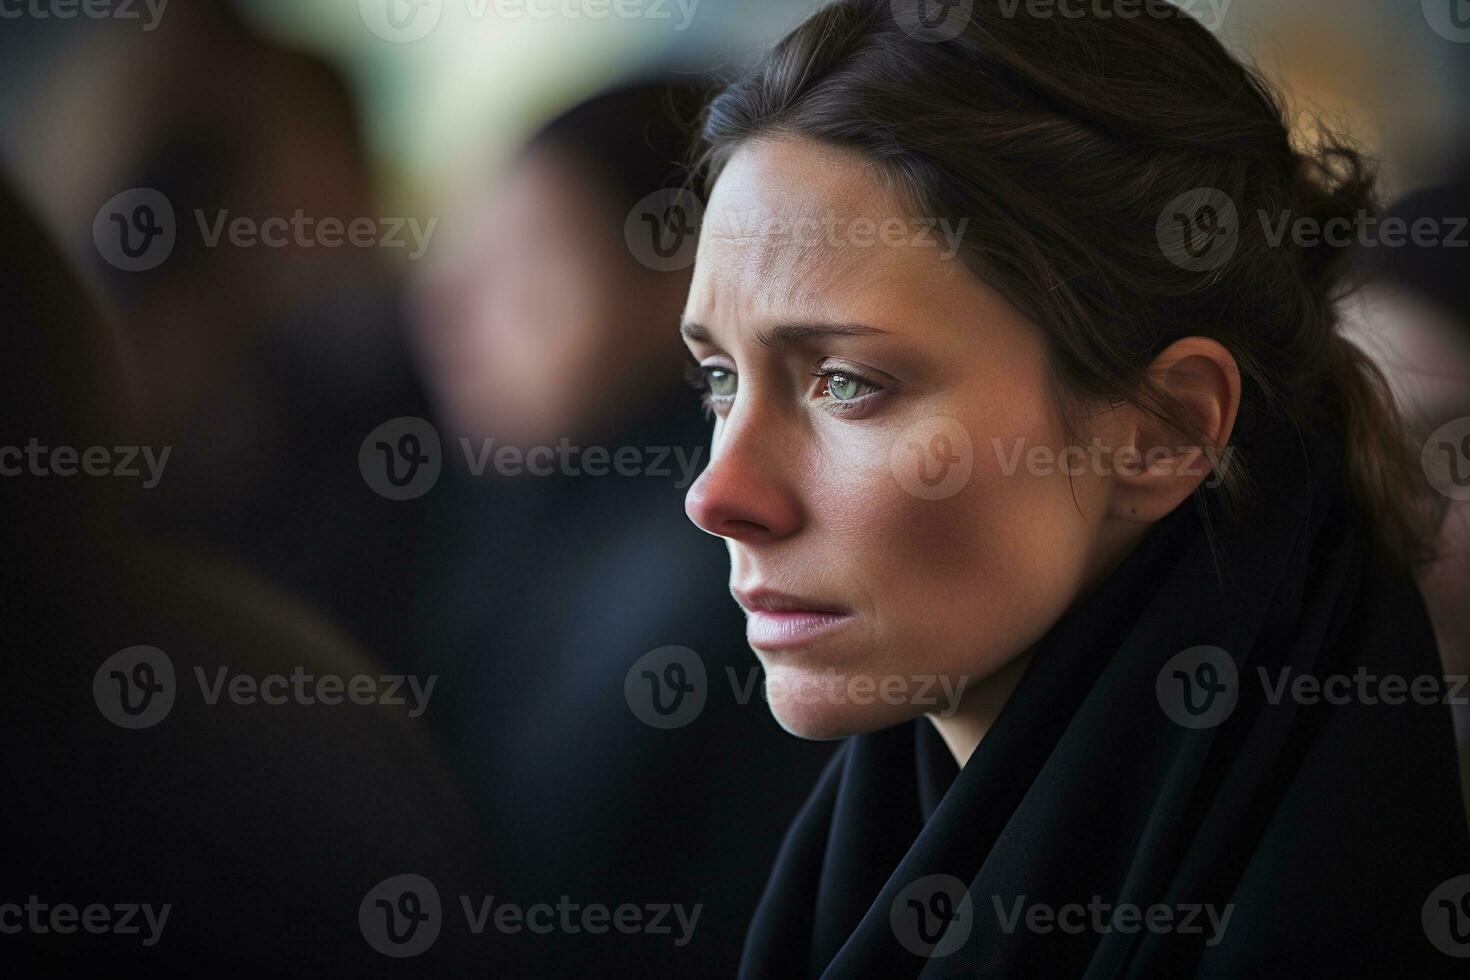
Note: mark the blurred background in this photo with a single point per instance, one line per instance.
(494, 155)
(452, 95)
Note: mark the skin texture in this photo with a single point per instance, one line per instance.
(814, 501)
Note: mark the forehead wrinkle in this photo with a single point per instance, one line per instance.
(819, 268)
(775, 281)
(785, 257)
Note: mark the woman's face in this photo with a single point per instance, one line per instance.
(875, 405)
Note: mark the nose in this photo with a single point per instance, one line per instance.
(745, 494)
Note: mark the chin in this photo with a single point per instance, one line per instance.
(822, 704)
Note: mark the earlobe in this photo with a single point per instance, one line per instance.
(1157, 463)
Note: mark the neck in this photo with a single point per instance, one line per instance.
(979, 706)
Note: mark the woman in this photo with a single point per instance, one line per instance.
(1046, 474)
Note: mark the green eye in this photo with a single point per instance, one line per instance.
(843, 388)
(722, 383)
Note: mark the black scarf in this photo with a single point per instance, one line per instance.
(1320, 829)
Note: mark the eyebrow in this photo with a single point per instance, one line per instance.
(786, 334)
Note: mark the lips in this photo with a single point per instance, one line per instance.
(782, 621)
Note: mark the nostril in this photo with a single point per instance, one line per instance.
(741, 529)
(721, 517)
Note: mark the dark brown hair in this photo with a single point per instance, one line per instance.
(1065, 139)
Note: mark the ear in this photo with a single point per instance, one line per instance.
(1155, 466)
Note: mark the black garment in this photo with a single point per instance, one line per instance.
(536, 596)
(1323, 828)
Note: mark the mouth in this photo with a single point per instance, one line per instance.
(781, 621)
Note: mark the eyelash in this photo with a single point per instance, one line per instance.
(698, 377)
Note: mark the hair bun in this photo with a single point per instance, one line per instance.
(1336, 195)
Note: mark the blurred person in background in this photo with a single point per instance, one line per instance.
(539, 595)
(257, 830)
(267, 362)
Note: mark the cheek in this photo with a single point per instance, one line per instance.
(963, 583)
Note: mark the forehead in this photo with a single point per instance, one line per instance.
(796, 227)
